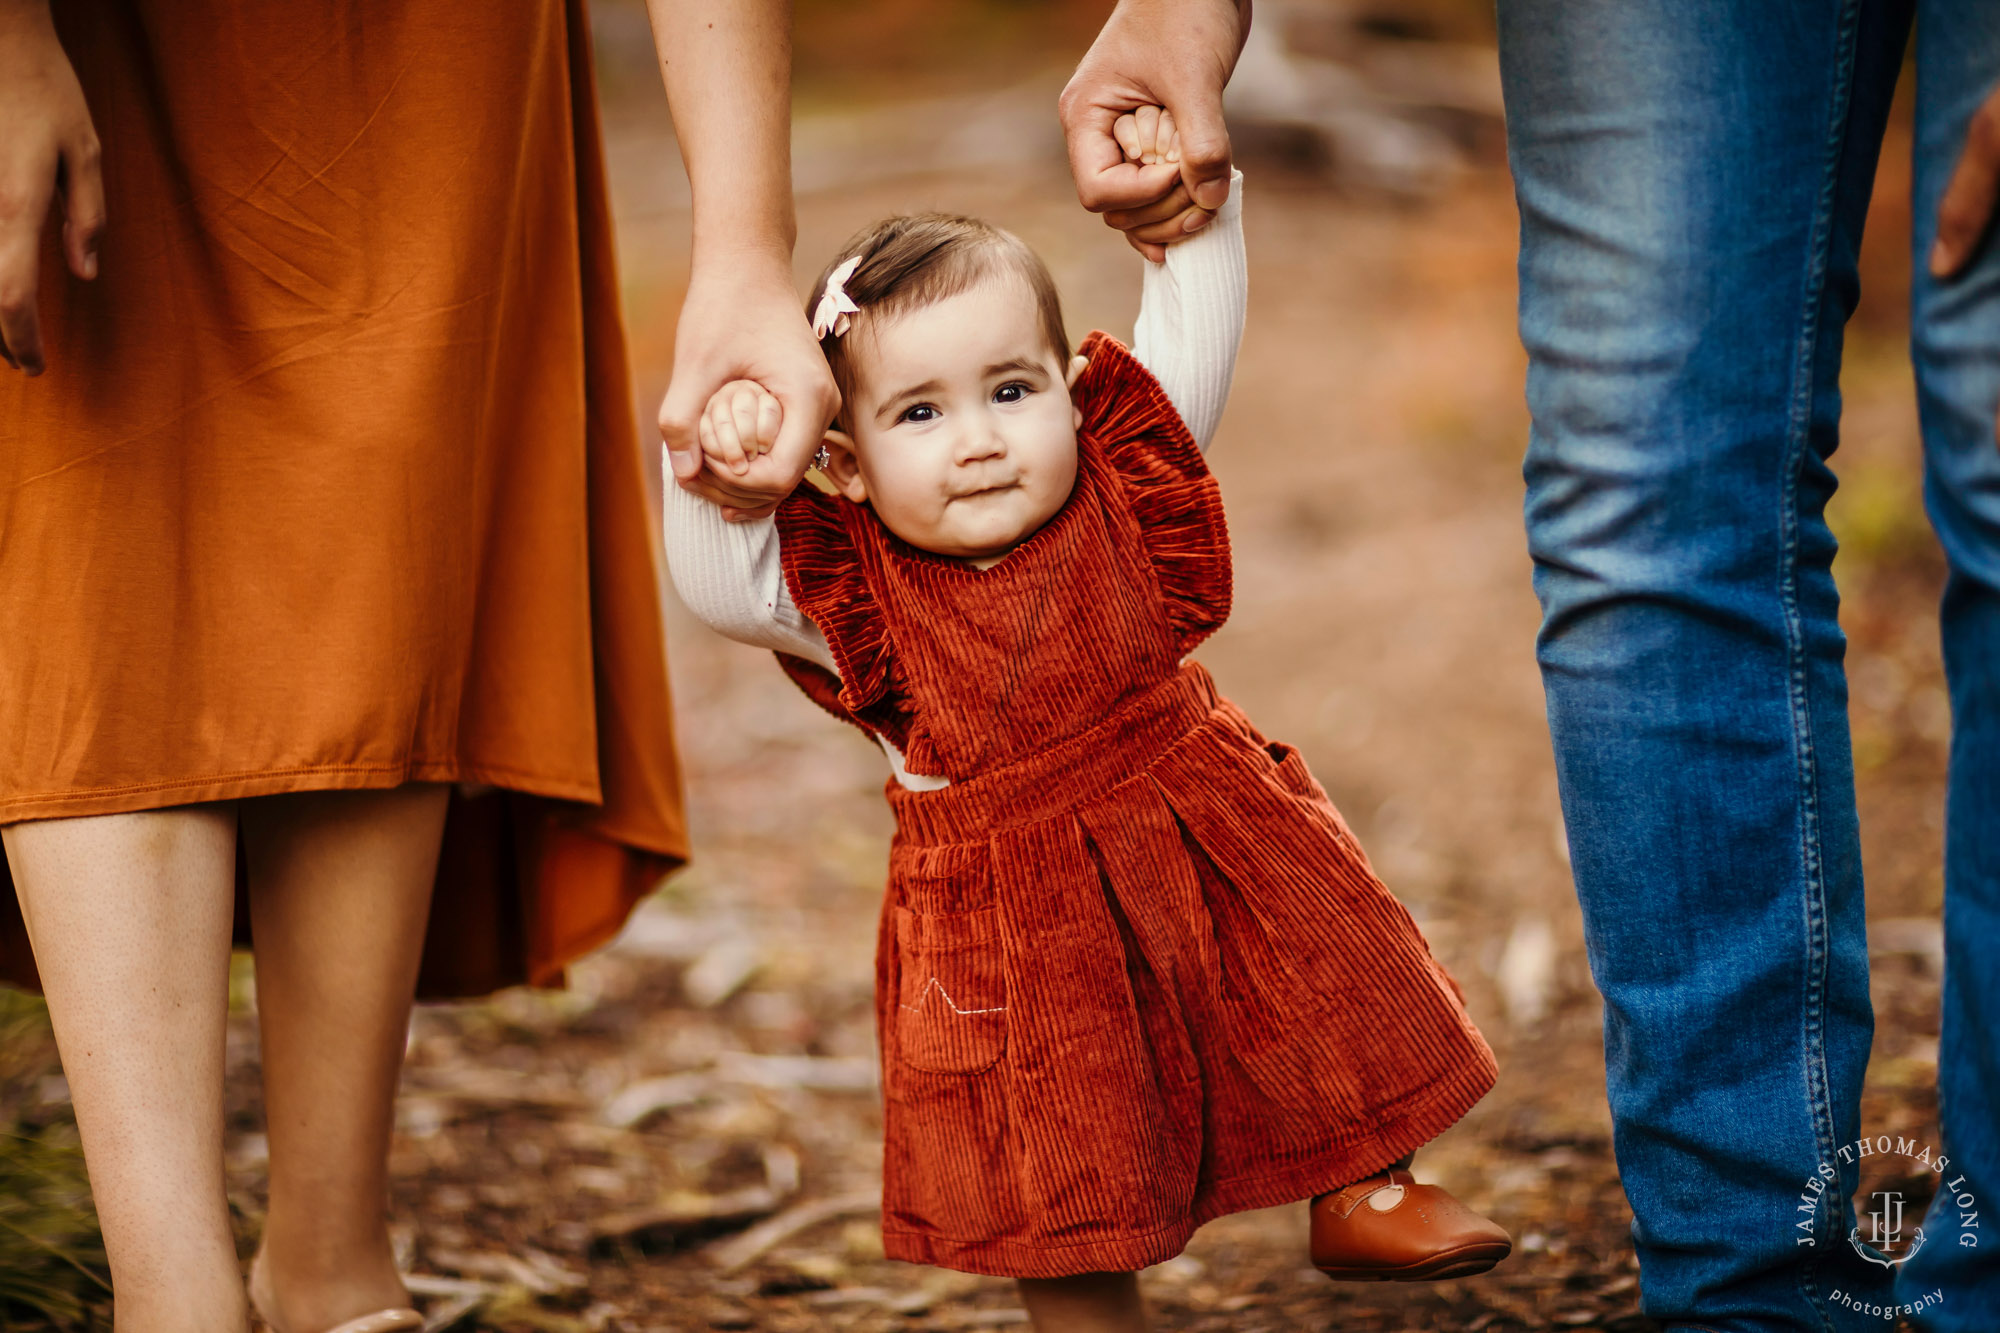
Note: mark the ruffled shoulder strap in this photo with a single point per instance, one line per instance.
(1165, 484)
(824, 544)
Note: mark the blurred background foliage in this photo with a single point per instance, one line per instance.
(52, 1266)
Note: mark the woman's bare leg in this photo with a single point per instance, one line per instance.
(1086, 1303)
(129, 917)
(340, 886)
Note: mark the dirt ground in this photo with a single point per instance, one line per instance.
(590, 1159)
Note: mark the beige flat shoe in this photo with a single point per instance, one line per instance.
(399, 1319)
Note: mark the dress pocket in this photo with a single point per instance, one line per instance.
(1292, 773)
(951, 1010)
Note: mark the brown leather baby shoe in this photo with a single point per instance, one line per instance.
(1389, 1228)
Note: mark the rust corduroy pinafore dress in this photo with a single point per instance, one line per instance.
(1134, 972)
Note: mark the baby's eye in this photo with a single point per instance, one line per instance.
(1012, 392)
(921, 412)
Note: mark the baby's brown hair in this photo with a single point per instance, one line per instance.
(916, 260)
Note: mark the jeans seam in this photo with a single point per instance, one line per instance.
(1819, 1096)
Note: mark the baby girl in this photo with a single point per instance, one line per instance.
(1133, 972)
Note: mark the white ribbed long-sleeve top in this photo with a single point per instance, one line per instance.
(1190, 324)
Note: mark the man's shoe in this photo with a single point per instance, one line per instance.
(1389, 1228)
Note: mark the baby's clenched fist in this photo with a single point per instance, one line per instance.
(1148, 136)
(739, 425)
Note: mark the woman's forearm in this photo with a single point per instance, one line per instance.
(727, 65)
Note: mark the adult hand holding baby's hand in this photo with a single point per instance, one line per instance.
(1147, 138)
(1172, 54)
(742, 322)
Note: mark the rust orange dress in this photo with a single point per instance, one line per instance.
(1133, 971)
(333, 479)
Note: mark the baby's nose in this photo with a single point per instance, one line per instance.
(981, 443)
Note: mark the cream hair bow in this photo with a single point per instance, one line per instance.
(835, 305)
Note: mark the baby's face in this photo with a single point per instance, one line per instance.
(964, 434)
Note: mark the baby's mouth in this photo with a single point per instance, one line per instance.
(987, 490)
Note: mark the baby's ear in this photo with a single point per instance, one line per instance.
(843, 467)
(1076, 365)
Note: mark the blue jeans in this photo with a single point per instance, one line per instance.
(1693, 176)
